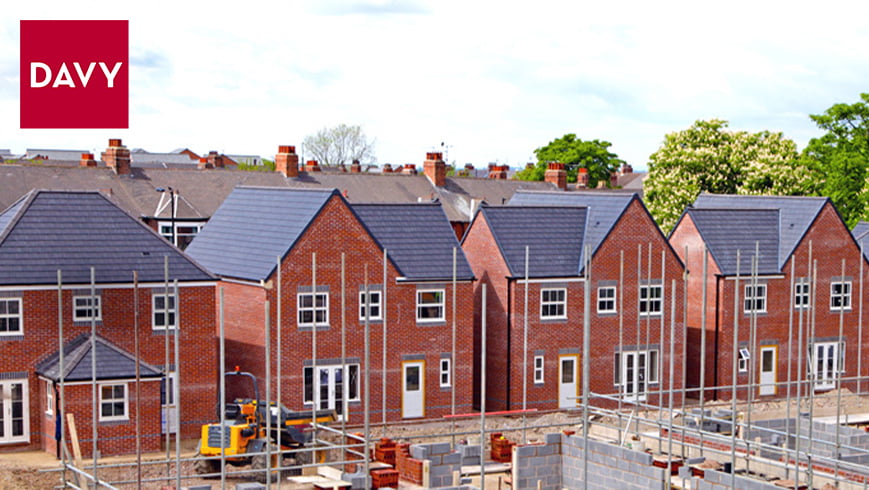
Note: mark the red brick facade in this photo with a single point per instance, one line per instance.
(333, 231)
(20, 354)
(828, 243)
(557, 340)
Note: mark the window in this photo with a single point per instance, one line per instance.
(634, 371)
(744, 356)
(651, 299)
(10, 316)
(163, 317)
(553, 304)
(801, 294)
(755, 299)
(538, 369)
(375, 305)
(83, 310)
(185, 232)
(113, 402)
(445, 372)
(331, 384)
(310, 312)
(827, 363)
(840, 295)
(430, 305)
(49, 397)
(606, 299)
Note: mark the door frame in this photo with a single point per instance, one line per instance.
(7, 411)
(767, 389)
(575, 359)
(637, 394)
(404, 365)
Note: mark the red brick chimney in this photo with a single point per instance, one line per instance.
(582, 178)
(498, 172)
(387, 168)
(312, 166)
(87, 160)
(626, 168)
(355, 167)
(556, 175)
(614, 180)
(203, 163)
(117, 157)
(409, 168)
(215, 159)
(286, 161)
(435, 168)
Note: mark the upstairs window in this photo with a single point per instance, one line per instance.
(86, 308)
(651, 299)
(755, 299)
(606, 299)
(313, 309)
(373, 301)
(801, 295)
(840, 295)
(10, 316)
(430, 305)
(163, 311)
(553, 304)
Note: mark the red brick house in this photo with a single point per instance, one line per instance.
(73, 231)
(414, 308)
(787, 315)
(632, 267)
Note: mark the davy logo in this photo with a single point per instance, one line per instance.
(74, 74)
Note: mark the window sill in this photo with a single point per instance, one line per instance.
(430, 323)
(17, 336)
(607, 313)
(111, 422)
(309, 328)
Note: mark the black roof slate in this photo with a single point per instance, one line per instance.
(554, 235)
(418, 238)
(112, 362)
(727, 230)
(860, 234)
(253, 227)
(75, 230)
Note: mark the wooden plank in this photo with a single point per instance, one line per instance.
(76, 449)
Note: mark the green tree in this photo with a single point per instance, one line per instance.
(840, 158)
(339, 145)
(708, 157)
(575, 153)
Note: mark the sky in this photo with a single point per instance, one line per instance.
(482, 81)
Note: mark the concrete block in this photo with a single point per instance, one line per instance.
(436, 459)
(546, 450)
(419, 451)
(438, 471)
(553, 438)
(526, 451)
(249, 486)
(200, 487)
(358, 482)
(452, 459)
(439, 448)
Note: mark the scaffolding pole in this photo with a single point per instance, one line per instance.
(483, 385)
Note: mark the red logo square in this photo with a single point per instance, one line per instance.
(74, 74)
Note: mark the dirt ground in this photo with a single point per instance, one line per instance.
(32, 469)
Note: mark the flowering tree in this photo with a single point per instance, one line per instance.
(708, 157)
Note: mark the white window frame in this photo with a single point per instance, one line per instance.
(313, 309)
(844, 296)
(752, 301)
(811, 362)
(86, 308)
(6, 317)
(653, 366)
(649, 301)
(424, 306)
(601, 300)
(170, 313)
(801, 295)
(49, 397)
(165, 229)
(112, 400)
(558, 304)
(539, 364)
(349, 387)
(742, 362)
(376, 305)
(446, 372)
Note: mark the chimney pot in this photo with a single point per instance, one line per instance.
(387, 168)
(312, 166)
(582, 178)
(286, 161)
(115, 143)
(87, 160)
(355, 167)
(556, 175)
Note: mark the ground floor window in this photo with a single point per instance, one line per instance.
(113, 402)
(634, 371)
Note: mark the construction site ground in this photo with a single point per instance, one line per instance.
(30, 469)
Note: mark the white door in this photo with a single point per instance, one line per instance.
(413, 389)
(767, 370)
(567, 390)
(168, 412)
(14, 412)
(826, 361)
(330, 388)
(634, 375)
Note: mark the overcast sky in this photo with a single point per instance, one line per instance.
(492, 81)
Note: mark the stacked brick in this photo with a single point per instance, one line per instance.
(502, 448)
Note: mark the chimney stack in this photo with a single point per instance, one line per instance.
(614, 180)
(117, 157)
(215, 159)
(435, 168)
(626, 168)
(286, 161)
(312, 166)
(556, 175)
(387, 168)
(87, 160)
(355, 167)
(498, 172)
(203, 163)
(409, 169)
(582, 178)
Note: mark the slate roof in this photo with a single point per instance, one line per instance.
(861, 235)
(254, 227)
(604, 210)
(112, 362)
(796, 215)
(74, 231)
(418, 238)
(727, 230)
(49, 154)
(554, 235)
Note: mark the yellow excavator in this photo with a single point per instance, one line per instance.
(245, 433)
